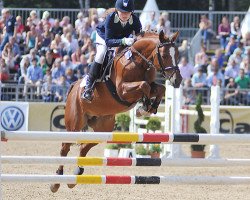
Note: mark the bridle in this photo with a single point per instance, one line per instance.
(150, 64)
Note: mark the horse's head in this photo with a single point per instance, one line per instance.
(165, 58)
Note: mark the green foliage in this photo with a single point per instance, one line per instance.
(112, 146)
(154, 124)
(119, 146)
(197, 124)
(141, 150)
(155, 148)
(123, 120)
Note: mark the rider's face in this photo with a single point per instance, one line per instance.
(124, 16)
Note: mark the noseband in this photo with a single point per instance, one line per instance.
(150, 64)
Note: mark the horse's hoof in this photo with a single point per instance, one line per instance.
(54, 187)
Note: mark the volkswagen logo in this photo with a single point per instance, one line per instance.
(12, 118)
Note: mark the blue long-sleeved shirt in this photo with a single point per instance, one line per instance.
(113, 32)
(35, 73)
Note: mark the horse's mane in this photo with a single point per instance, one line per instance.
(147, 34)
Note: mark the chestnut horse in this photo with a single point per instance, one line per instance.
(133, 74)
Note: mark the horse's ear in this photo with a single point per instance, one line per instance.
(162, 37)
(174, 36)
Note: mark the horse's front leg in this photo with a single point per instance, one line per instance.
(158, 92)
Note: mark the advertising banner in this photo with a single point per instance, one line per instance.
(14, 116)
(46, 117)
(232, 120)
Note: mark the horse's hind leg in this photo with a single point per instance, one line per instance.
(99, 124)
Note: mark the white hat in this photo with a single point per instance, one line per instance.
(45, 14)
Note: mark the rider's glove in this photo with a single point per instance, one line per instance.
(128, 41)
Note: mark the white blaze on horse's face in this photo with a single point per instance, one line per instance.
(172, 54)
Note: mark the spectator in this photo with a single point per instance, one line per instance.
(70, 76)
(224, 32)
(206, 29)
(75, 57)
(10, 27)
(65, 21)
(212, 66)
(15, 51)
(70, 44)
(183, 49)
(46, 19)
(235, 27)
(49, 58)
(231, 93)
(20, 27)
(236, 56)
(231, 46)
(79, 23)
(199, 79)
(8, 56)
(213, 77)
(160, 26)
(45, 40)
(65, 32)
(31, 38)
(220, 57)
(61, 89)
(31, 55)
(57, 46)
(151, 22)
(47, 90)
(165, 16)
(201, 59)
(43, 64)
(24, 68)
(243, 81)
(245, 64)
(57, 29)
(57, 71)
(33, 16)
(82, 68)
(35, 76)
(232, 69)
(67, 64)
(188, 92)
(186, 69)
(4, 71)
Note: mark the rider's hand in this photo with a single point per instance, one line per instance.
(128, 41)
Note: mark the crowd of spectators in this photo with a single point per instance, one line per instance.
(49, 54)
(228, 67)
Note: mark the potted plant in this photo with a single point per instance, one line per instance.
(141, 151)
(111, 150)
(123, 121)
(197, 151)
(155, 150)
(154, 124)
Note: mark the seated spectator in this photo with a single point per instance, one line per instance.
(70, 76)
(75, 57)
(231, 46)
(4, 71)
(9, 58)
(183, 49)
(49, 58)
(70, 44)
(199, 79)
(19, 28)
(206, 29)
(232, 70)
(46, 19)
(86, 29)
(34, 18)
(220, 57)
(79, 23)
(31, 38)
(57, 71)
(186, 69)
(231, 93)
(24, 68)
(236, 56)
(201, 59)
(188, 92)
(43, 64)
(160, 26)
(35, 76)
(243, 82)
(61, 89)
(81, 68)
(44, 41)
(47, 90)
(65, 21)
(31, 55)
(245, 64)
(224, 32)
(15, 50)
(165, 16)
(57, 29)
(212, 66)
(65, 32)
(213, 78)
(151, 22)
(66, 63)
(235, 28)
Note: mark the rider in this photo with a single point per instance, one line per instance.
(113, 32)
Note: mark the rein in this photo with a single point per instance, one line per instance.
(150, 63)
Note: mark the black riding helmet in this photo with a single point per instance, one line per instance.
(125, 5)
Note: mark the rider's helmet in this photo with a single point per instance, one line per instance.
(125, 5)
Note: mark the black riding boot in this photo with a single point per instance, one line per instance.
(94, 72)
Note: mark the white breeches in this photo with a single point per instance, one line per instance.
(101, 49)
